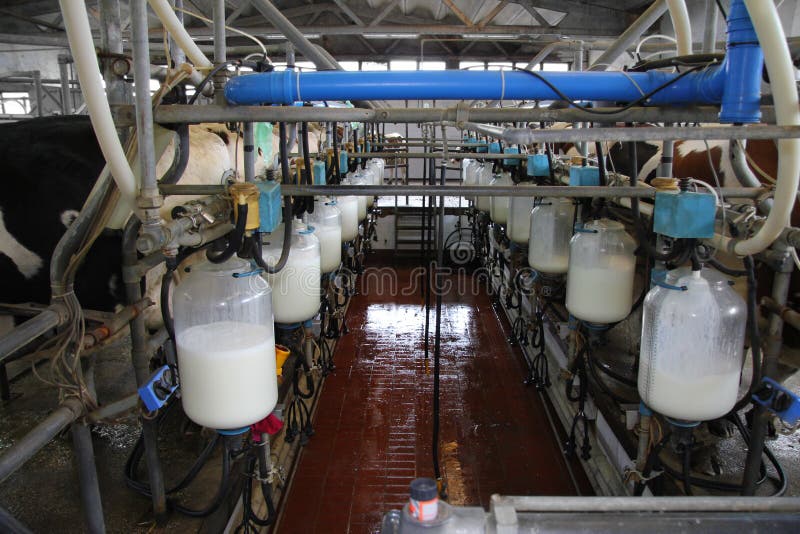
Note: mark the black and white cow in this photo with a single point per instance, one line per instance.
(50, 166)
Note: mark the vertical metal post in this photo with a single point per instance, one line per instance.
(66, 91)
(37, 89)
(769, 367)
(91, 503)
(248, 142)
(111, 42)
(290, 56)
(175, 51)
(149, 197)
(220, 50)
(141, 367)
(710, 33)
(667, 153)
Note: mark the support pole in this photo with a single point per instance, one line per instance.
(769, 369)
(66, 90)
(141, 366)
(710, 33)
(91, 503)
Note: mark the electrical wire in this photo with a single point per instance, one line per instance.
(639, 101)
(234, 30)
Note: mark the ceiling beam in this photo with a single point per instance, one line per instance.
(581, 14)
(349, 12)
(492, 14)
(536, 15)
(458, 13)
(591, 32)
(385, 11)
(244, 4)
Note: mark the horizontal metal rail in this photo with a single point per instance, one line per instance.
(449, 191)
(48, 319)
(125, 115)
(699, 503)
(24, 449)
(577, 135)
(434, 155)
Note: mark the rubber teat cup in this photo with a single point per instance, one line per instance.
(424, 502)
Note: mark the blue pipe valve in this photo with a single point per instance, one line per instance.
(779, 400)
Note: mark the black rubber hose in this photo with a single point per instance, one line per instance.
(755, 335)
(222, 490)
(335, 163)
(287, 214)
(181, 158)
(693, 256)
(650, 250)
(234, 238)
(601, 162)
(307, 175)
(687, 470)
(726, 270)
(166, 282)
(633, 150)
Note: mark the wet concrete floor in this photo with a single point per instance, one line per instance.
(374, 422)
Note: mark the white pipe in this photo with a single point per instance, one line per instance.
(770, 33)
(682, 25)
(79, 33)
(171, 24)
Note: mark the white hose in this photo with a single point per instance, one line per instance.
(171, 24)
(79, 33)
(770, 33)
(682, 25)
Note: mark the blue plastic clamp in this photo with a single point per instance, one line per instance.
(158, 388)
(779, 400)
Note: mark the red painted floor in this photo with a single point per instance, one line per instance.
(373, 425)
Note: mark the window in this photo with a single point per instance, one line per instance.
(522, 65)
(555, 67)
(471, 65)
(432, 65)
(15, 103)
(403, 64)
(305, 65)
(372, 65)
(350, 66)
(499, 65)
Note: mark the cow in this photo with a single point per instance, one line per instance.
(51, 165)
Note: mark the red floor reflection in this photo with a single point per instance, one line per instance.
(373, 424)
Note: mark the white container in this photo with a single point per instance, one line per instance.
(369, 178)
(551, 230)
(327, 223)
(296, 289)
(226, 345)
(518, 228)
(484, 177)
(348, 205)
(377, 165)
(601, 272)
(498, 206)
(469, 175)
(358, 178)
(692, 346)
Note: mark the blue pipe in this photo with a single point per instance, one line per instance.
(735, 83)
(287, 86)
